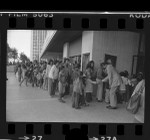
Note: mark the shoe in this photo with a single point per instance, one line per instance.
(100, 101)
(112, 107)
(61, 100)
(78, 108)
(108, 106)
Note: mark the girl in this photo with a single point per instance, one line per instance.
(122, 89)
(62, 83)
(77, 90)
(82, 101)
(89, 87)
(44, 79)
(39, 79)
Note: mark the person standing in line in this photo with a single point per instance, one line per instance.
(19, 73)
(122, 89)
(68, 76)
(114, 82)
(53, 74)
(89, 87)
(100, 84)
(62, 83)
(24, 71)
(77, 90)
(48, 69)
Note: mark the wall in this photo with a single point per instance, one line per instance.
(118, 43)
(75, 47)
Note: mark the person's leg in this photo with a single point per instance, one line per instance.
(26, 78)
(77, 101)
(107, 96)
(22, 81)
(100, 92)
(50, 87)
(113, 98)
(73, 100)
(54, 87)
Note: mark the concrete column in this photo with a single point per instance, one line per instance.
(65, 50)
(87, 44)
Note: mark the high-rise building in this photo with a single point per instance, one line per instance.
(37, 41)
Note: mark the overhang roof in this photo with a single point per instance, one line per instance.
(57, 41)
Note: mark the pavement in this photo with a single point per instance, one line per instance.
(32, 104)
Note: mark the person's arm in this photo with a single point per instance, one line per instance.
(93, 82)
(105, 79)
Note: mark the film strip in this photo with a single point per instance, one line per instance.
(94, 23)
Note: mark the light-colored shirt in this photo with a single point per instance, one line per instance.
(123, 83)
(89, 85)
(77, 85)
(48, 68)
(54, 72)
(113, 76)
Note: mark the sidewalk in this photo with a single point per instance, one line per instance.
(32, 104)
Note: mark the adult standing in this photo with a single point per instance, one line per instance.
(48, 75)
(100, 84)
(53, 77)
(140, 89)
(114, 82)
(68, 76)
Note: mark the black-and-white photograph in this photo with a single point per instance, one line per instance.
(75, 76)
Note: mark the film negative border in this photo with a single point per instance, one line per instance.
(70, 22)
(76, 22)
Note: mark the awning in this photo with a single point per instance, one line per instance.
(55, 44)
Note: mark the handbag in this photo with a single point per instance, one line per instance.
(134, 103)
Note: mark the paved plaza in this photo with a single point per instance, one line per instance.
(32, 104)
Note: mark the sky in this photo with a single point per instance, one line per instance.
(20, 39)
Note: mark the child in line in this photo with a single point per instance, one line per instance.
(82, 101)
(89, 87)
(44, 79)
(122, 89)
(77, 90)
(39, 79)
(62, 83)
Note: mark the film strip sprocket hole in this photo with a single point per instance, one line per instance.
(29, 129)
(84, 28)
(85, 23)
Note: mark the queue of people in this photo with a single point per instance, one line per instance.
(62, 76)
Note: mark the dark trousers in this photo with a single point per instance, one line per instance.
(54, 84)
(81, 100)
(67, 88)
(75, 99)
(88, 96)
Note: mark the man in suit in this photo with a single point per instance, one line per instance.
(114, 82)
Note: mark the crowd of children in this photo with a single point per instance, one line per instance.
(36, 73)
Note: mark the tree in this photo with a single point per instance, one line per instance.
(23, 57)
(14, 54)
(9, 52)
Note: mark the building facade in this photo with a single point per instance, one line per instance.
(126, 49)
(37, 41)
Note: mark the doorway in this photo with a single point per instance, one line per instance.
(112, 58)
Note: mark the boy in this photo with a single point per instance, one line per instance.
(62, 83)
